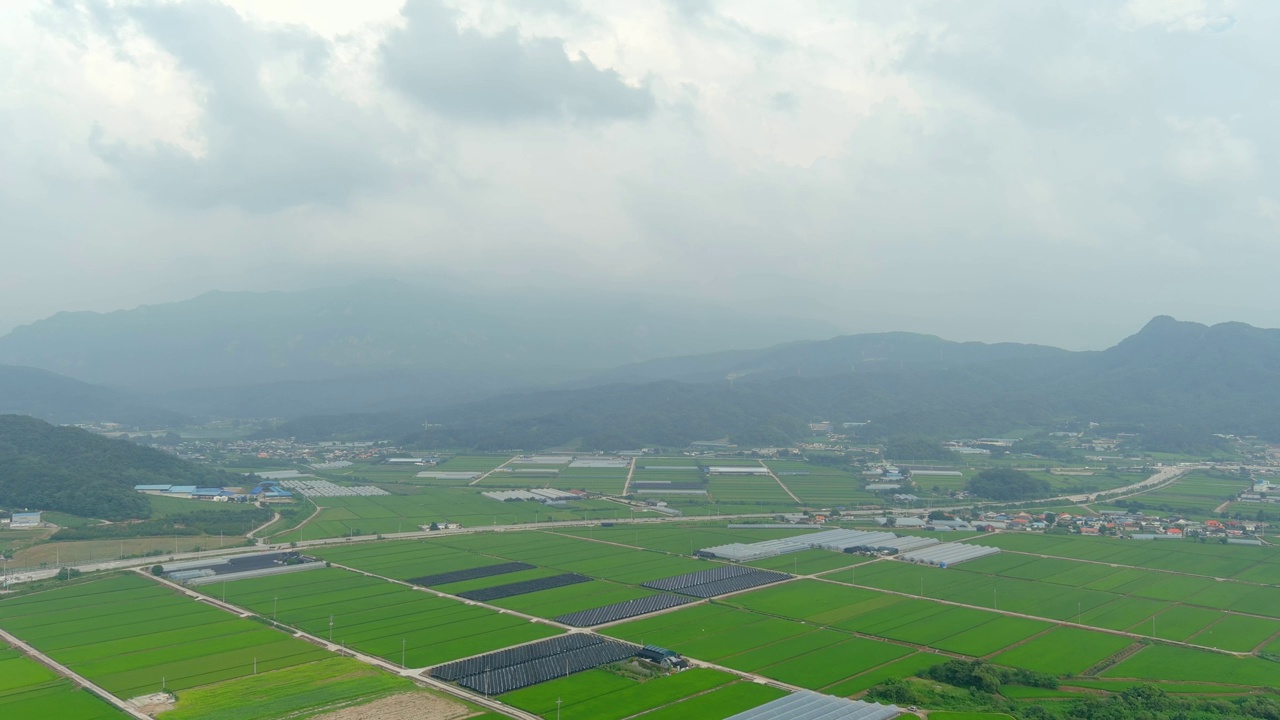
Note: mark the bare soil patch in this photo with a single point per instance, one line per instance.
(404, 706)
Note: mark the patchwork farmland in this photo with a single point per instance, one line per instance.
(1097, 613)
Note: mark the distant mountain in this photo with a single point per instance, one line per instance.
(59, 399)
(319, 340)
(871, 352)
(47, 467)
(1173, 378)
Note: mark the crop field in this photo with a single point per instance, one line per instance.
(403, 559)
(381, 618)
(568, 553)
(1156, 603)
(1064, 651)
(1237, 562)
(1183, 664)
(425, 505)
(718, 704)
(606, 481)
(807, 562)
(758, 489)
(31, 690)
(786, 650)
(680, 539)
(1196, 493)
(471, 463)
(823, 486)
(130, 635)
(902, 668)
(920, 622)
(290, 693)
(602, 695)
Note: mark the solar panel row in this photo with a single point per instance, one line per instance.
(700, 577)
(515, 656)
(470, 574)
(622, 610)
(496, 682)
(525, 587)
(717, 581)
(734, 584)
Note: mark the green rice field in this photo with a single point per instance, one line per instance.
(132, 636)
(380, 617)
(31, 690)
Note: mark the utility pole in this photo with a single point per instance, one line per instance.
(275, 605)
(330, 628)
(402, 641)
(558, 708)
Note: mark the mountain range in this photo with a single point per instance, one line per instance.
(388, 360)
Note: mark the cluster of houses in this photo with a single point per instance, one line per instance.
(1134, 525)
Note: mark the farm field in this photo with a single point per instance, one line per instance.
(1094, 594)
(786, 650)
(29, 689)
(757, 489)
(295, 692)
(421, 506)
(381, 618)
(680, 539)
(571, 553)
(1196, 493)
(602, 695)
(1238, 562)
(821, 485)
(130, 635)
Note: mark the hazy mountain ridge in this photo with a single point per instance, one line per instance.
(1185, 375)
(241, 339)
(59, 399)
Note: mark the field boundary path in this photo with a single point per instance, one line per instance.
(275, 515)
(482, 477)
(72, 675)
(781, 484)
(631, 470)
(1065, 623)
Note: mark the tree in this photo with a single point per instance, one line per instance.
(157, 570)
(434, 526)
(1007, 484)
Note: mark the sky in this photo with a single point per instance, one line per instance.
(1054, 172)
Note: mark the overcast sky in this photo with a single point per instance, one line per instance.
(1053, 172)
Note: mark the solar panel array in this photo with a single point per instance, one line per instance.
(471, 574)
(717, 581)
(497, 592)
(622, 610)
(506, 670)
(807, 705)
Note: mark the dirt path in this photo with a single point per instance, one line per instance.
(781, 484)
(275, 515)
(482, 477)
(68, 672)
(631, 470)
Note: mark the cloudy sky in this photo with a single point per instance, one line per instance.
(1055, 171)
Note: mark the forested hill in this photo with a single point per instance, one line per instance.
(1171, 377)
(48, 467)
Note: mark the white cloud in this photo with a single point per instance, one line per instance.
(883, 165)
